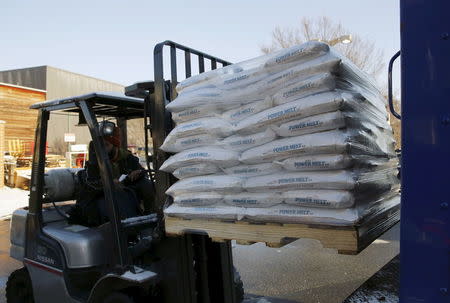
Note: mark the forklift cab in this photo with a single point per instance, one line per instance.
(77, 258)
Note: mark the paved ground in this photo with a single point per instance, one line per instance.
(306, 272)
(7, 264)
(302, 271)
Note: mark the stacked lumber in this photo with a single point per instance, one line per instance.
(22, 178)
(14, 110)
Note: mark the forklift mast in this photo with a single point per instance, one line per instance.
(208, 274)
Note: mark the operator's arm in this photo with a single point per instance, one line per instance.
(92, 169)
(133, 163)
(134, 167)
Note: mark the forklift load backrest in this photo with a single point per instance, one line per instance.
(161, 122)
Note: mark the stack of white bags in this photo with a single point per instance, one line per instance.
(299, 136)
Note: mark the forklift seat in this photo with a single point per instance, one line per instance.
(83, 246)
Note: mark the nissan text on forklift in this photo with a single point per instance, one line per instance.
(131, 260)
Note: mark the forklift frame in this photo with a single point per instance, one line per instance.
(104, 105)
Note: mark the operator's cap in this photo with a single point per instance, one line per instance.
(110, 132)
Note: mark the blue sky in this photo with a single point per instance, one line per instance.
(114, 40)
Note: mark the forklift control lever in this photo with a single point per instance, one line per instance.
(141, 220)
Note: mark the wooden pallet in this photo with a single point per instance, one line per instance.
(349, 240)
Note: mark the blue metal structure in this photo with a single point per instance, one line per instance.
(425, 218)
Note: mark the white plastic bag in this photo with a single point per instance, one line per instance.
(331, 142)
(179, 144)
(253, 170)
(253, 199)
(309, 125)
(229, 92)
(193, 99)
(323, 64)
(339, 179)
(298, 89)
(297, 53)
(251, 85)
(198, 199)
(319, 198)
(369, 143)
(196, 170)
(267, 83)
(305, 107)
(213, 126)
(318, 162)
(274, 61)
(203, 212)
(244, 111)
(241, 143)
(195, 113)
(216, 183)
(207, 155)
(284, 213)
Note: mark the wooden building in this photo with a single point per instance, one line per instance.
(46, 83)
(20, 121)
(25, 86)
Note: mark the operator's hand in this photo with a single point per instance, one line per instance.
(118, 184)
(135, 175)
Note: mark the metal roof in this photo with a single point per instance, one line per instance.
(102, 103)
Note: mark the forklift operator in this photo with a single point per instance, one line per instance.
(131, 186)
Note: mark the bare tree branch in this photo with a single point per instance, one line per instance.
(362, 52)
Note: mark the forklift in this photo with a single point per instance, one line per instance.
(191, 268)
(123, 260)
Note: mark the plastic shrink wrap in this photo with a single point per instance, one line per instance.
(300, 135)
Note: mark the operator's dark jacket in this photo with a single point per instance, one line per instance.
(91, 209)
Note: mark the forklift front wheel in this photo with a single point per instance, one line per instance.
(118, 297)
(19, 288)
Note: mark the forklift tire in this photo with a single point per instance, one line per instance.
(118, 297)
(238, 286)
(19, 288)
